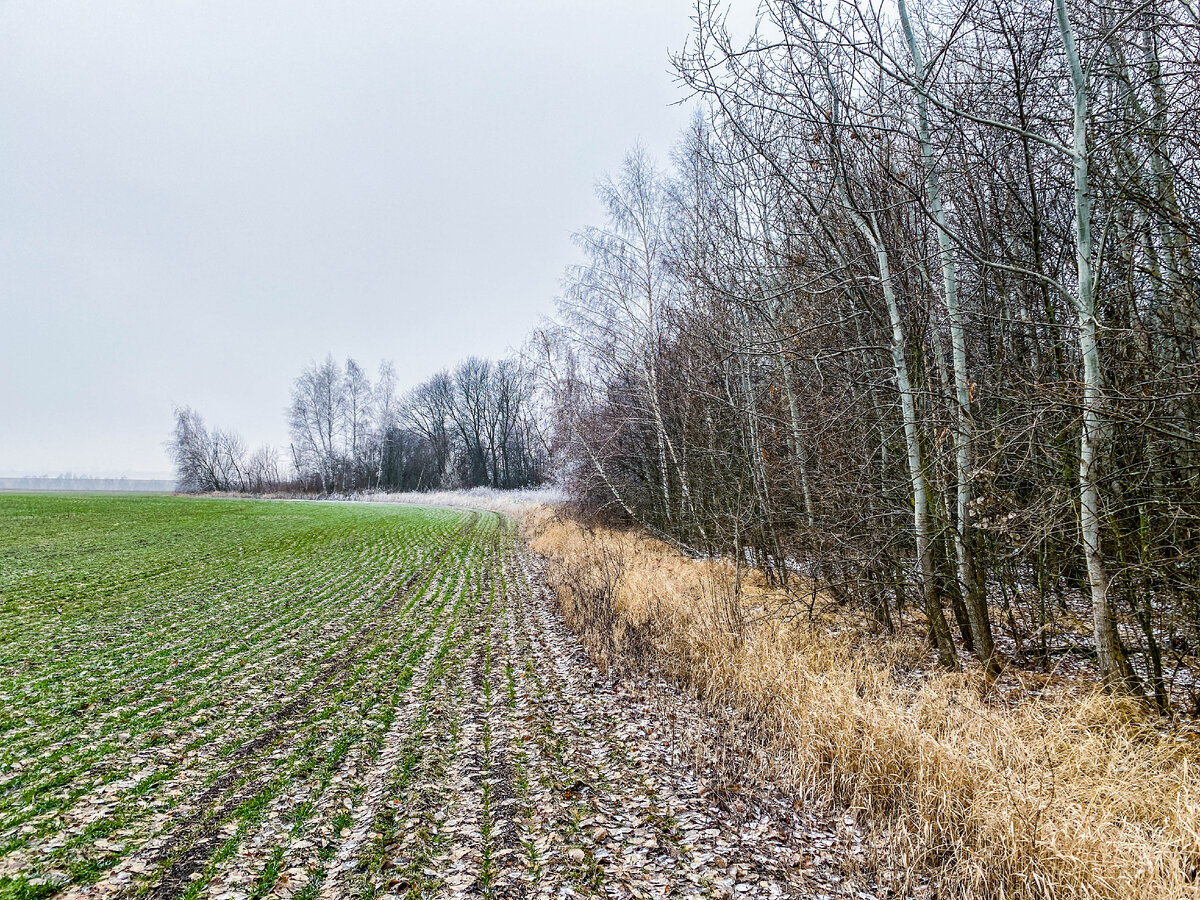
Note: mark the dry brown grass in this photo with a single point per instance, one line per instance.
(1062, 795)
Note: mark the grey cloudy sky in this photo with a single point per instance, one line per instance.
(198, 197)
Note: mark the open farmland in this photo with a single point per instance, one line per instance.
(244, 699)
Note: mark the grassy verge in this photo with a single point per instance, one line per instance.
(1018, 795)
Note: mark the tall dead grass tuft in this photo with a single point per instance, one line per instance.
(1052, 796)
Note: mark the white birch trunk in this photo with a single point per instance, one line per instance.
(973, 598)
(1113, 668)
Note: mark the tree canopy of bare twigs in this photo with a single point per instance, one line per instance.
(914, 313)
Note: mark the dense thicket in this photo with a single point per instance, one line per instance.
(473, 426)
(916, 313)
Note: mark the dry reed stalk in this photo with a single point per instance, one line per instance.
(1052, 796)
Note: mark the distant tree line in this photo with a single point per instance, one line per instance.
(915, 312)
(475, 425)
(217, 460)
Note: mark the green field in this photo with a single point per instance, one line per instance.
(173, 667)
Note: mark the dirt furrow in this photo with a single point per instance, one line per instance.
(506, 875)
(460, 863)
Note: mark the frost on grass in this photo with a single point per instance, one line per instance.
(236, 700)
(508, 502)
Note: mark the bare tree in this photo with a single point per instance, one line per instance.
(315, 416)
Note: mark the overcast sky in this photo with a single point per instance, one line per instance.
(196, 198)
